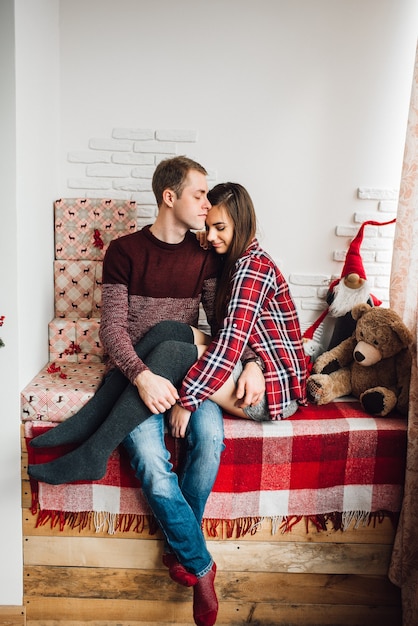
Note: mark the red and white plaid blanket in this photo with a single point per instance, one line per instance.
(331, 462)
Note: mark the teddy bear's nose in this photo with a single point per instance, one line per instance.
(359, 357)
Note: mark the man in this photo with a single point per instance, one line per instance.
(158, 273)
(161, 272)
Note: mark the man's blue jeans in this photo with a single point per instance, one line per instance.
(178, 502)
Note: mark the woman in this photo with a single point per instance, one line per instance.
(256, 315)
(254, 308)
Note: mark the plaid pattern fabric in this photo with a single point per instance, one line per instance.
(261, 314)
(324, 460)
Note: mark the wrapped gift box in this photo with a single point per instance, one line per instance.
(84, 227)
(60, 390)
(78, 288)
(75, 340)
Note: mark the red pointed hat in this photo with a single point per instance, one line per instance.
(353, 261)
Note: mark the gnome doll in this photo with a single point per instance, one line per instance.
(351, 289)
(311, 344)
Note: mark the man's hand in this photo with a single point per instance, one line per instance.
(251, 386)
(179, 418)
(157, 393)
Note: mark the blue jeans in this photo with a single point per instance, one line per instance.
(178, 503)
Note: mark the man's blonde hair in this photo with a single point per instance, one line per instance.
(172, 174)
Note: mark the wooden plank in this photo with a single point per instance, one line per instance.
(59, 611)
(47, 622)
(330, 558)
(137, 584)
(292, 557)
(12, 615)
(92, 552)
(26, 496)
(109, 610)
(275, 614)
(24, 464)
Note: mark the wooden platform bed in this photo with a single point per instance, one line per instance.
(105, 568)
(300, 522)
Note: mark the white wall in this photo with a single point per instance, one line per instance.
(29, 166)
(10, 534)
(302, 101)
(37, 125)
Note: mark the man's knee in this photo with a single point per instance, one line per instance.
(145, 439)
(207, 424)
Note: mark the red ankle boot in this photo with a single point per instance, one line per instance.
(205, 602)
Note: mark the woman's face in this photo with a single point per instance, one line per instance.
(219, 229)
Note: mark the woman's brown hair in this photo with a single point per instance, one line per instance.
(237, 202)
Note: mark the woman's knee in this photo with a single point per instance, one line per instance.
(174, 352)
(171, 329)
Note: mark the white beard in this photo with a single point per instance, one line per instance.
(346, 298)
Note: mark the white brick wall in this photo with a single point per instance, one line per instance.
(376, 253)
(122, 167)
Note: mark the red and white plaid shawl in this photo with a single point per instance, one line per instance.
(331, 462)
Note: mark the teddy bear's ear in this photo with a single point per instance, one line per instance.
(359, 310)
(402, 331)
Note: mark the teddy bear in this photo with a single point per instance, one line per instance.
(373, 365)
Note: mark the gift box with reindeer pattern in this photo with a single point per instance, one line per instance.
(78, 288)
(59, 390)
(75, 340)
(84, 227)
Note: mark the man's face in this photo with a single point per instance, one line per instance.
(192, 207)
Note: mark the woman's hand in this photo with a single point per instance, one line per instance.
(202, 239)
(179, 419)
(251, 386)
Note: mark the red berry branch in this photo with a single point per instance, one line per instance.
(2, 318)
(97, 239)
(73, 348)
(55, 369)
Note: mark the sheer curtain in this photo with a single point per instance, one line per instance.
(403, 569)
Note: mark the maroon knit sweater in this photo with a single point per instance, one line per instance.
(146, 280)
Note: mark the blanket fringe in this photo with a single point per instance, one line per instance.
(112, 523)
(360, 518)
(100, 521)
(63, 519)
(103, 520)
(237, 528)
